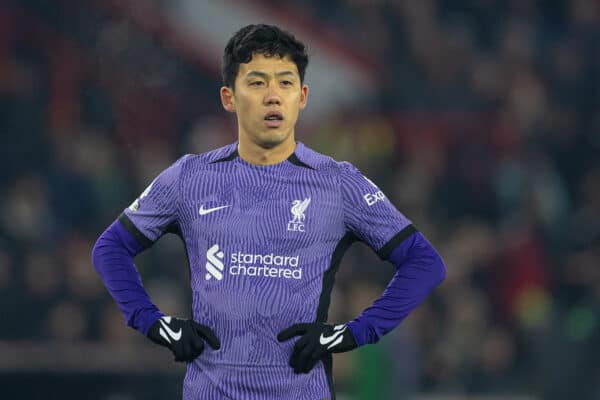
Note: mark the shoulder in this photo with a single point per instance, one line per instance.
(197, 161)
(220, 154)
(323, 163)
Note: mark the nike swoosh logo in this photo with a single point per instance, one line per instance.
(325, 340)
(173, 335)
(204, 211)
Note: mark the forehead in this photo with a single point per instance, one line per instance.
(268, 65)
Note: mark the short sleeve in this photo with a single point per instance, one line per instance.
(149, 216)
(370, 215)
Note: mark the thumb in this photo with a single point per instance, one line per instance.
(294, 330)
(207, 334)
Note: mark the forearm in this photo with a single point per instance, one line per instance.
(112, 257)
(419, 269)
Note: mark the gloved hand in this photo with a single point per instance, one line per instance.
(317, 339)
(184, 337)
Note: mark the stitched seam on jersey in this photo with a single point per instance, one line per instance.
(396, 240)
(181, 171)
(134, 231)
(294, 159)
(341, 193)
(341, 189)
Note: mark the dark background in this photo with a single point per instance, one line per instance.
(484, 130)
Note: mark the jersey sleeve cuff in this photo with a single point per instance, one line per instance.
(386, 250)
(359, 330)
(135, 232)
(147, 321)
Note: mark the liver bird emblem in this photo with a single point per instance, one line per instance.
(298, 208)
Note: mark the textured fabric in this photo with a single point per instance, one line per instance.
(184, 337)
(259, 241)
(112, 257)
(419, 269)
(315, 341)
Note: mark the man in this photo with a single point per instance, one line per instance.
(265, 222)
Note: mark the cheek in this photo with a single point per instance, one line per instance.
(245, 107)
(297, 102)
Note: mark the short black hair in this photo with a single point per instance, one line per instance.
(268, 40)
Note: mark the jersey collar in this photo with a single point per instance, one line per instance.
(295, 158)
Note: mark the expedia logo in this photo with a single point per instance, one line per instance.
(251, 265)
(214, 265)
(374, 197)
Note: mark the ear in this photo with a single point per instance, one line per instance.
(227, 99)
(303, 96)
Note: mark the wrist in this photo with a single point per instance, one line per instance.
(145, 321)
(359, 330)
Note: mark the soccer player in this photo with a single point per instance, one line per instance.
(265, 222)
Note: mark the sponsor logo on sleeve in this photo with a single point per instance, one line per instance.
(373, 197)
(136, 204)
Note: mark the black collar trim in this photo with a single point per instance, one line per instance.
(296, 161)
(293, 159)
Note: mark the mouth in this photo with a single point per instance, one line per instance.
(273, 119)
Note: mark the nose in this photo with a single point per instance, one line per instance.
(272, 97)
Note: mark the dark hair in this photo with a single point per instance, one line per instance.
(268, 40)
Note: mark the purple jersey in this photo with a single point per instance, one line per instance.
(264, 243)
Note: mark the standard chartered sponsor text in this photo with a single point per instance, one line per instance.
(266, 265)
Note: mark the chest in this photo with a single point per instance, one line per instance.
(266, 208)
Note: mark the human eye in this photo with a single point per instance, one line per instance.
(287, 83)
(256, 83)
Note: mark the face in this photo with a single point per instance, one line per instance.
(267, 99)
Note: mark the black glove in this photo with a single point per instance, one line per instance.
(184, 337)
(318, 339)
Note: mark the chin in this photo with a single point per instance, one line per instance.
(271, 140)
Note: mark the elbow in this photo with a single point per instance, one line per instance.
(106, 245)
(115, 241)
(437, 267)
(97, 254)
(439, 270)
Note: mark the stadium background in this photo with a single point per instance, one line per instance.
(480, 119)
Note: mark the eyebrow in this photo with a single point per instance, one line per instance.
(265, 75)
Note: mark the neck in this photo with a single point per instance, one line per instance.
(255, 154)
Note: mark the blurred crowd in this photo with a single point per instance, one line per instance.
(486, 134)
